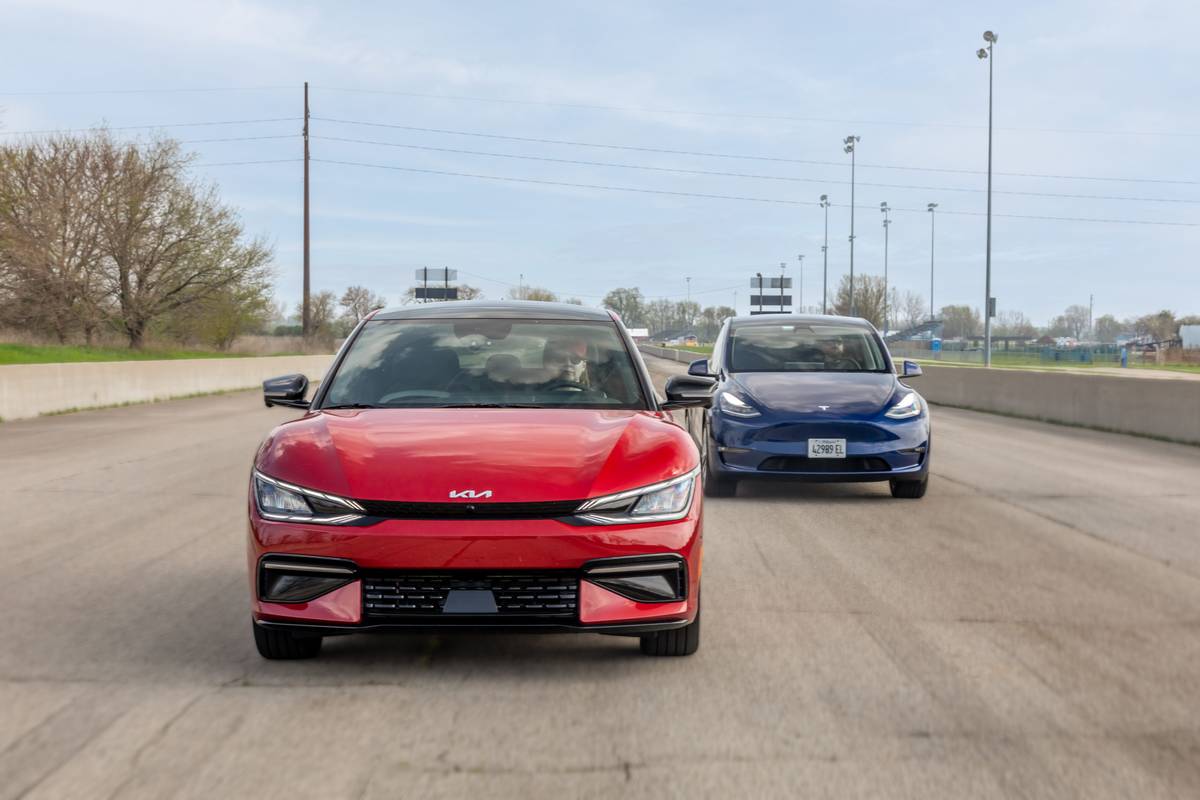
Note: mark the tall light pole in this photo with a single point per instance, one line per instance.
(689, 293)
(930, 209)
(305, 311)
(825, 258)
(850, 142)
(760, 290)
(800, 258)
(986, 53)
(782, 269)
(883, 208)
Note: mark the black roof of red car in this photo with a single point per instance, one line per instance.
(516, 309)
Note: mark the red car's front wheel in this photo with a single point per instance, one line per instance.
(679, 642)
(282, 645)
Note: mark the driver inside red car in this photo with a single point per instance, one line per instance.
(566, 360)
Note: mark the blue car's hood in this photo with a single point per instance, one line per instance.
(846, 393)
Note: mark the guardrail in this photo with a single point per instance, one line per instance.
(29, 390)
(682, 356)
(1161, 408)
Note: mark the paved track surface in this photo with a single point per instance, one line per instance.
(1030, 629)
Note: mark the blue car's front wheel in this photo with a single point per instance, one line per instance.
(715, 484)
(912, 490)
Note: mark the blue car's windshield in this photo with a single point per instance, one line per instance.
(804, 347)
(486, 362)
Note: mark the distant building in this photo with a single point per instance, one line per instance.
(1190, 334)
(640, 334)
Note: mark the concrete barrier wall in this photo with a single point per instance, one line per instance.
(27, 390)
(683, 356)
(1162, 408)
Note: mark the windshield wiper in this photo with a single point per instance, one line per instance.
(488, 405)
(348, 405)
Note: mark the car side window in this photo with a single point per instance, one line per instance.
(714, 361)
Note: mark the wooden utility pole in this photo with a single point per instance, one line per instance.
(305, 319)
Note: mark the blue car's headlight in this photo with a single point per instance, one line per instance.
(735, 406)
(908, 406)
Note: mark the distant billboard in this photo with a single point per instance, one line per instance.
(436, 293)
(770, 283)
(639, 333)
(436, 274)
(770, 300)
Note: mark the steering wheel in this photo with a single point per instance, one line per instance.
(845, 363)
(407, 393)
(565, 385)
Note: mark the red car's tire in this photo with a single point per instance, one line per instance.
(679, 642)
(281, 645)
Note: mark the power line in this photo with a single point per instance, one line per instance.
(743, 115)
(199, 90)
(241, 163)
(582, 294)
(567, 184)
(242, 138)
(823, 181)
(149, 127)
(776, 159)
(771, 200)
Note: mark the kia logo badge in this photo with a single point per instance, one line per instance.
(469, 494)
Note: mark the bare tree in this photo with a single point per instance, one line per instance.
(538, 293)
(868, 298)
(1014, 323)
(960, 321)
(628, 304)
(50, 248)
(322, 316)
(907, 310)
(168, 242)
(358, 301)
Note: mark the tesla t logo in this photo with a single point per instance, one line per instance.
(823, 408)
(469, 494)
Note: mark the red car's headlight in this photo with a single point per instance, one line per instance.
(658, 502)
(286, 502)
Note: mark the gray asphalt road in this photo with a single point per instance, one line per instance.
(1030, 628)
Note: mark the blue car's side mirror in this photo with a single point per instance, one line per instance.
(911, 369)
(699, 369)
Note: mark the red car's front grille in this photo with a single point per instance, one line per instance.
(554, 594)
(399, 509)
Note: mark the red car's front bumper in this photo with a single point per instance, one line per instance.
(478, 547)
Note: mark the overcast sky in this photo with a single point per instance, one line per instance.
(1093, 89)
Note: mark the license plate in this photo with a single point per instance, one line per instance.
(826, 448)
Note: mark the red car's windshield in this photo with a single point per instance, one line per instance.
(487, 362)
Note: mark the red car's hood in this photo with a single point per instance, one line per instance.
(520, 455)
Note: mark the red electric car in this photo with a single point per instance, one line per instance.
(479, 465)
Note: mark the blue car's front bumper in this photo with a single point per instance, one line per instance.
(876, 450)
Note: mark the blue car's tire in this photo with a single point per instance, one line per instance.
(716, 484)
(912, 490)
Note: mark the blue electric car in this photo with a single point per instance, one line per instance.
(809, 398)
